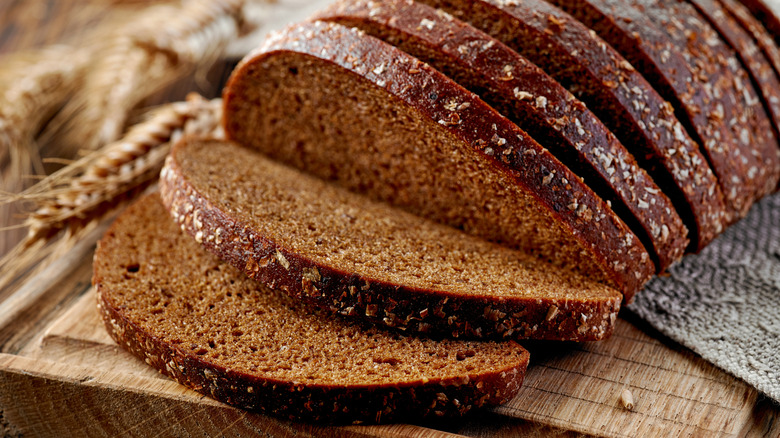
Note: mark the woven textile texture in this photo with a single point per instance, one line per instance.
(724, 303)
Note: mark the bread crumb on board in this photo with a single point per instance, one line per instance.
(627, 399)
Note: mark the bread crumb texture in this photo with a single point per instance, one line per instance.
(538, 104)
(213, 329)
(311, 98)
(364, 258)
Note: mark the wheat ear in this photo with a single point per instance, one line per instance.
(33, 86)
(75, 198)
(160, 46)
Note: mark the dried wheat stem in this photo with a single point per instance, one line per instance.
(80, 194)
(33, 85)
(161, 45)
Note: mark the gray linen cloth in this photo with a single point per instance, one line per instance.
(724, 303)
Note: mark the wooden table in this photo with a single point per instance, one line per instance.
(61, 375)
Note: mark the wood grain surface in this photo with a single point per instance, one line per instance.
(61, 375)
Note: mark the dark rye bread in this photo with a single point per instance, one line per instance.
(762, 37)
(207, 326)
(356, 111)
(762, 75)
(535, 102)
(697, 83)
(766, 15)
(367, 260)
(757, 164)
(615, 92)
(364, 259)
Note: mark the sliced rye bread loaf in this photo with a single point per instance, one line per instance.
(701, 90)
(762, 75)
(535, 102)
(762, 37)
(615, 92)
(765, 15)
(367, 260)
(207, 326)
(354, 110)
(749, 120)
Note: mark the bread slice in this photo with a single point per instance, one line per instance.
(765, 15)
(615, 92)
(207, 326)
(684, 59)
(354, 110)
(762, 37)
(761, 146)
(535, 102)
(367, 260)
(763, 77)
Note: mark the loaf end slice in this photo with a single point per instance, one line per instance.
(756, 64)
(769, 47)
(766, 15)
(756, 142)
(367, 260)
(688, 64)
(354, 110)
(207, 326)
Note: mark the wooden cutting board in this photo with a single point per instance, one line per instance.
(61, 375)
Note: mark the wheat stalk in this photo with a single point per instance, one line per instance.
(161, 45)
(72, 200)
(33, 85)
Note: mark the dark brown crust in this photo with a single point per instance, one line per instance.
(559, 121)
(700, 88)
(765, 15)
(320, 403)
(617, 93)
(753, 60)
(764, 40)
(378, 302)
(494, 138)
(752, 163)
